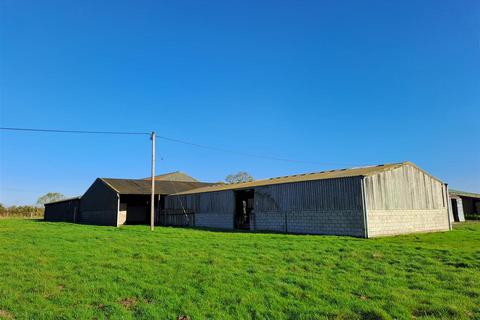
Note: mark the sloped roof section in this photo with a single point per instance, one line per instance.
(63, 200)
(140, 186)
(174, 176)
(329, 174)
(463, 193)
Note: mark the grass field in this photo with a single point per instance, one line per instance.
(68, 271)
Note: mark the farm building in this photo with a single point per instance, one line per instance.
(464, 204)
(113, 202)
(362, 202)
(65, 210)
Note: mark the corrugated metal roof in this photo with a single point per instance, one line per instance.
(463, 193)
(329, 174)
(140, 186)
(63, 200)
(174, 176)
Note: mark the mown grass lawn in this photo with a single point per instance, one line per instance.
(60, 270)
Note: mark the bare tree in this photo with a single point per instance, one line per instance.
(239, 177)
(49, 197)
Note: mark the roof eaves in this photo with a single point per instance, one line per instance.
(249, 185)
(463, 193)
(64, 200)
(373, 170)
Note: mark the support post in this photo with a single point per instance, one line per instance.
(364, 207)
(448, 203)
(152, 200)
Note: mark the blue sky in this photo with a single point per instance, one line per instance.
(338, 83)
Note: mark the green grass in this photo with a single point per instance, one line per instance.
(68, 271)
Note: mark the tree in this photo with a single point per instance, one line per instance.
(239, 177)
(49, 197)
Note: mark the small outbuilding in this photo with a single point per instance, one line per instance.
(364, 202)
(464, 205)
(65, 210)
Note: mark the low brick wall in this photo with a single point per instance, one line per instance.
(394, 222)
(346, 222)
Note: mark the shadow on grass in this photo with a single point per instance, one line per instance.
(240, 231)
(21, 218)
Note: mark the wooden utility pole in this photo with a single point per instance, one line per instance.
(152, 200)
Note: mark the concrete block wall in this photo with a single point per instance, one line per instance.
(394, 222)
(269, 221)
(221, 220)
(345, 222)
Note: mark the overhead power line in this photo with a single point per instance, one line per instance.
(74, 131)
(21, 190)
(203, 146)
(246, 153)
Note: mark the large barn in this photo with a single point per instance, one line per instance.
(364, 202)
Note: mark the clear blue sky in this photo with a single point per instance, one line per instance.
(340, 83)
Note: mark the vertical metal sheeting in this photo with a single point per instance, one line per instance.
(320, 195)
(405, 188)
(208, 202)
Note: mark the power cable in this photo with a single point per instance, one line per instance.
(246, 154)
(249, 154)
(74, 131)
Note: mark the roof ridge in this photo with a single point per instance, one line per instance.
(329, 174)
(334, 170)
(123, 179)
(164, 174)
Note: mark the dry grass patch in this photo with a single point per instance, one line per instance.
(5, 315)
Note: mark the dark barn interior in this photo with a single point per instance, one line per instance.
(243, 208)
(135, 196)
(471, 206)
(455, 210)
(137, 207)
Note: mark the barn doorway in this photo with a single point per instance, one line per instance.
(455, 210)
(135, 208)
(243, 209)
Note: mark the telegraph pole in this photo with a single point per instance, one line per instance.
(152, 200)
